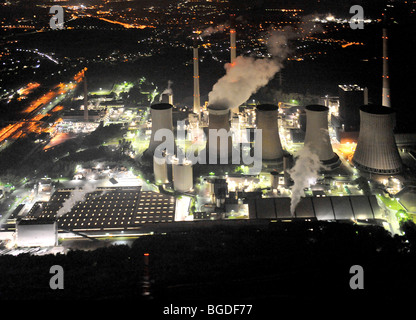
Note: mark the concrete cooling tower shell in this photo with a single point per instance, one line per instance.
(266, 119)
(161, 114)
(182, 175)
(317, 135)
(219, 119)
(376, 150)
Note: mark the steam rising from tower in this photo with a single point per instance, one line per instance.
(246, 75)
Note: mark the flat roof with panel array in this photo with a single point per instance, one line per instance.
(108, 208)
(321, 208)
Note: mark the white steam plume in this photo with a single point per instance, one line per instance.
(210, 30)
(247, 74)
(304, 174)
(167, 91)
(76, 195)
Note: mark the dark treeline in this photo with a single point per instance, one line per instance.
(299, 261)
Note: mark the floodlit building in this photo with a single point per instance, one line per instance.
(34, 233)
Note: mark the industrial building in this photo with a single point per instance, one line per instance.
(320, 208)
(109, 208)
(35, 233)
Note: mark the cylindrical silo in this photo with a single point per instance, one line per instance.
(160, 170)
(266, 119)
(219, 119)
(161, 114)
(317, 135)
(376, 150)
(182, 175)
(274, 180)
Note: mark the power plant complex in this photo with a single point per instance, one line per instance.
(224, 161)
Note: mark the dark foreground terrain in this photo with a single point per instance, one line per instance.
(272, 264)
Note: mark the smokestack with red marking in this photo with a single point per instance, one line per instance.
(233, 34)
(386, 78)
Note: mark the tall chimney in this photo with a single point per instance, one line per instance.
(85, 99)
(317, 135)
(233, 46)
(266, 119)
(386, 78)
(197, 99)
(376, 150)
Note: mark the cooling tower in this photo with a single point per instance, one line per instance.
(182, 175)
(317, 135)
(376, 150)
(219, 119)
(266, 118)
(161, 114)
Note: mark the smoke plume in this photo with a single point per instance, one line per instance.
(167, 91)
(248, 74)
(77, 195)
(304, 174)
(210, 30)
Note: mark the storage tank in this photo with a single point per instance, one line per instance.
(317, 135)
(266, 118)
(160, 170)
(182, 175)
(376, 150)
